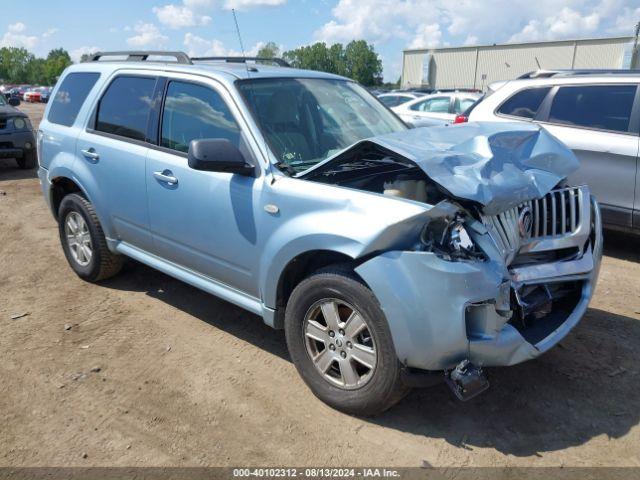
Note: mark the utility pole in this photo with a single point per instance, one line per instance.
(634, 53)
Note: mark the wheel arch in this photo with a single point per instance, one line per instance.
(302, 266)
(61, 187)
(64, 181)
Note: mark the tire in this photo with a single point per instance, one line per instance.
(101, 263)
(376, 389)
(28, 161)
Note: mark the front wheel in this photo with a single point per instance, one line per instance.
(28, 161)
(340, 343)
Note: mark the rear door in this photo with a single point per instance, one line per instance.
(113, 151)
(596, 122)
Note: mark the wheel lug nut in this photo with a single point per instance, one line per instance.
(343, 354)
(341, 332)
(332, 347)
(349, 345)
(332, 333)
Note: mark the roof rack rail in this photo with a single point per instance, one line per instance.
(141, 56)
(559, 73)
(278, 61)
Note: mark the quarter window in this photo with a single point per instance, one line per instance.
(433, 105)
(70, 96)
(192, 112)
(604, 107)
(462, 104)
(525, 103)
(125, 106)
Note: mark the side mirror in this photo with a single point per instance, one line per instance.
(14, 101)
(217, 155)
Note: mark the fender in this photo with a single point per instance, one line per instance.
(276, 258)
(77, 172)
(316, 216)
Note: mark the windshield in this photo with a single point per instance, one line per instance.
(307, 120)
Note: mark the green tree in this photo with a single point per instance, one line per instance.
(358, 60)
(55, 63)
(269, 50)
(14, 64)
(363, 63)
(36, 71)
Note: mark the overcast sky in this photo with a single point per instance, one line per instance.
(205, 27)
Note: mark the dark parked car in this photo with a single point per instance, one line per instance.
(45, 93)
(16, 134)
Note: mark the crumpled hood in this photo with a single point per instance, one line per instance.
(496, 164)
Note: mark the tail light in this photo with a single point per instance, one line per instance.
(461, 119)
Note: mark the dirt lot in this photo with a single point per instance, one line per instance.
(187, 379)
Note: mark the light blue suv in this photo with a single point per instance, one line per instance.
(391, 257)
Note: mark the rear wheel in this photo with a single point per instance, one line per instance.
(341, 345)
(83, 240)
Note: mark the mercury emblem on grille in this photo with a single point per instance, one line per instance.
(525, 222)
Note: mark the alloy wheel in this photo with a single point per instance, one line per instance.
(340, 344)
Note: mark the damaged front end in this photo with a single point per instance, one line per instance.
(508, 256)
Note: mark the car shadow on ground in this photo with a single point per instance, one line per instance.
(9, 171)
(583, 388)
(579, 390)
(622, 245)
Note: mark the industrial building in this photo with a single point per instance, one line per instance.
(477, 66)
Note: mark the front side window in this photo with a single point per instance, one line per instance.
(124, 108)
(192, 112)
(433, 105)
(604, 107)
(306, 120)
(70, 96)
(525, 103)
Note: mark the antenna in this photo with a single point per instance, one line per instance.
(253, 93)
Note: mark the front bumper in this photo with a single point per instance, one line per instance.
(17, 144)
(443, 312)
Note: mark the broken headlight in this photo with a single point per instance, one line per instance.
(449, 239)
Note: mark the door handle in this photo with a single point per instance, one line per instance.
(90, 153)
(166, 176)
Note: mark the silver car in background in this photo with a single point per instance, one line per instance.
(597, 115)
(435, 109)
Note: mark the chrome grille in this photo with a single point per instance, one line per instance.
(560, 213)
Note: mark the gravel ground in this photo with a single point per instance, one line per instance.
(143, 370)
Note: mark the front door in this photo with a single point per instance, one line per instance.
(203, 221)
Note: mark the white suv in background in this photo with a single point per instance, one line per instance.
(597, 115)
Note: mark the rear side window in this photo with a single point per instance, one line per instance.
(70, 96)
(193, 112)
(525, 103)
(463, 104)
(124, 108)
(604, 107)
(433, 105)
(390, 101)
